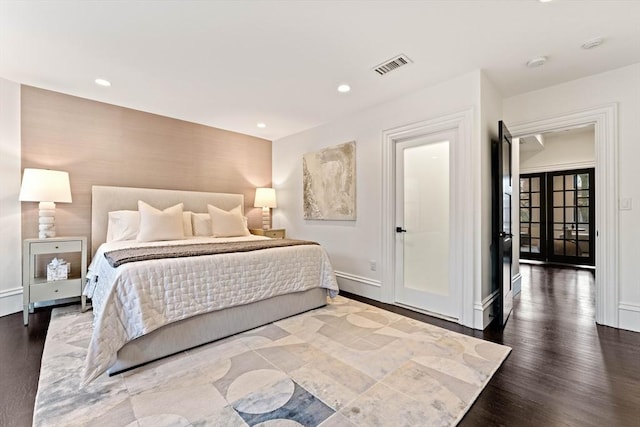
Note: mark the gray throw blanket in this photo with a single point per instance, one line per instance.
(122, 256)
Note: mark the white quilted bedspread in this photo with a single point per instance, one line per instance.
(137, 298)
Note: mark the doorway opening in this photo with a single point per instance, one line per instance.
(604, 122)
(557, 197)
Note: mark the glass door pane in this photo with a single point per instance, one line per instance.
(532, 216)
(423, 245)
(426, 218)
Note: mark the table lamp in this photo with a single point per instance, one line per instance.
(47, 187)
(265, 199)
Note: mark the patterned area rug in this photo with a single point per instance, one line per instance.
(346, 364)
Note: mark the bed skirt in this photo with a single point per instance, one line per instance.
(208, 327)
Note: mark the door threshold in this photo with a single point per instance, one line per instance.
(427, 312)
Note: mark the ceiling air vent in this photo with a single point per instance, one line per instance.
(392, 64)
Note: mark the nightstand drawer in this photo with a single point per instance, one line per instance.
(55, 290)
(274, 234)
(56, 247)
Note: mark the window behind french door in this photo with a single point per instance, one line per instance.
(557, 221)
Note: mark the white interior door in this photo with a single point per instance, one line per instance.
(423, 226)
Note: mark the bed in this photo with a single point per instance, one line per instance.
(150, 309)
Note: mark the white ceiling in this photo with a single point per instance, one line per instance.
(231, 64)
(534, 143)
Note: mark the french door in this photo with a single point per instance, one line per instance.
(557, 216)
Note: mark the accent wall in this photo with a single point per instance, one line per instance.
(103, 144)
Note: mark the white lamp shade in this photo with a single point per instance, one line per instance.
(265, 198)
(44, 185)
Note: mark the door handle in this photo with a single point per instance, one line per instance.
(400, 230)
(503, 234)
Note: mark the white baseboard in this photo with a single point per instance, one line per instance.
(10, 301)
(359, 279)
(483, 311)
(629, 316)
(359, 285)
(516, 284)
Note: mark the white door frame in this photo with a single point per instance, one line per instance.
(605, 119)
(464, 164)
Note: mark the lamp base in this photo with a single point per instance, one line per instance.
(266, 219)
(46, 220)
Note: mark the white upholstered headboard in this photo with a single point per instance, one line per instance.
(106, 199)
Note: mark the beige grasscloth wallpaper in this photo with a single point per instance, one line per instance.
(103, 144)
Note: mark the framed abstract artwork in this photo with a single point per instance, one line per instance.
(329, 183)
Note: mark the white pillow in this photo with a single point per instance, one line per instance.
(227, 224)
(186, 224)
(160, 225)
(201, 224)
(123, 225)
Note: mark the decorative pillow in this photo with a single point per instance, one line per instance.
(186, 224)
(227, 224)
(160, 225)
(201, 224)
(123, 225)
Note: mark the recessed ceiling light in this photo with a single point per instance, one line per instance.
(102, 82)
(261, 125)
(590, 44)
(545, 1)
(344, 88)
(537, 62)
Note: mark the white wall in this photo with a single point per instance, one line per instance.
(490, 114)
(353, 244)
(621, 86)
(10, 175)
(562, 150)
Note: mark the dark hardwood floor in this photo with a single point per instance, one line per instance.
(564, 369)
(20, 355)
